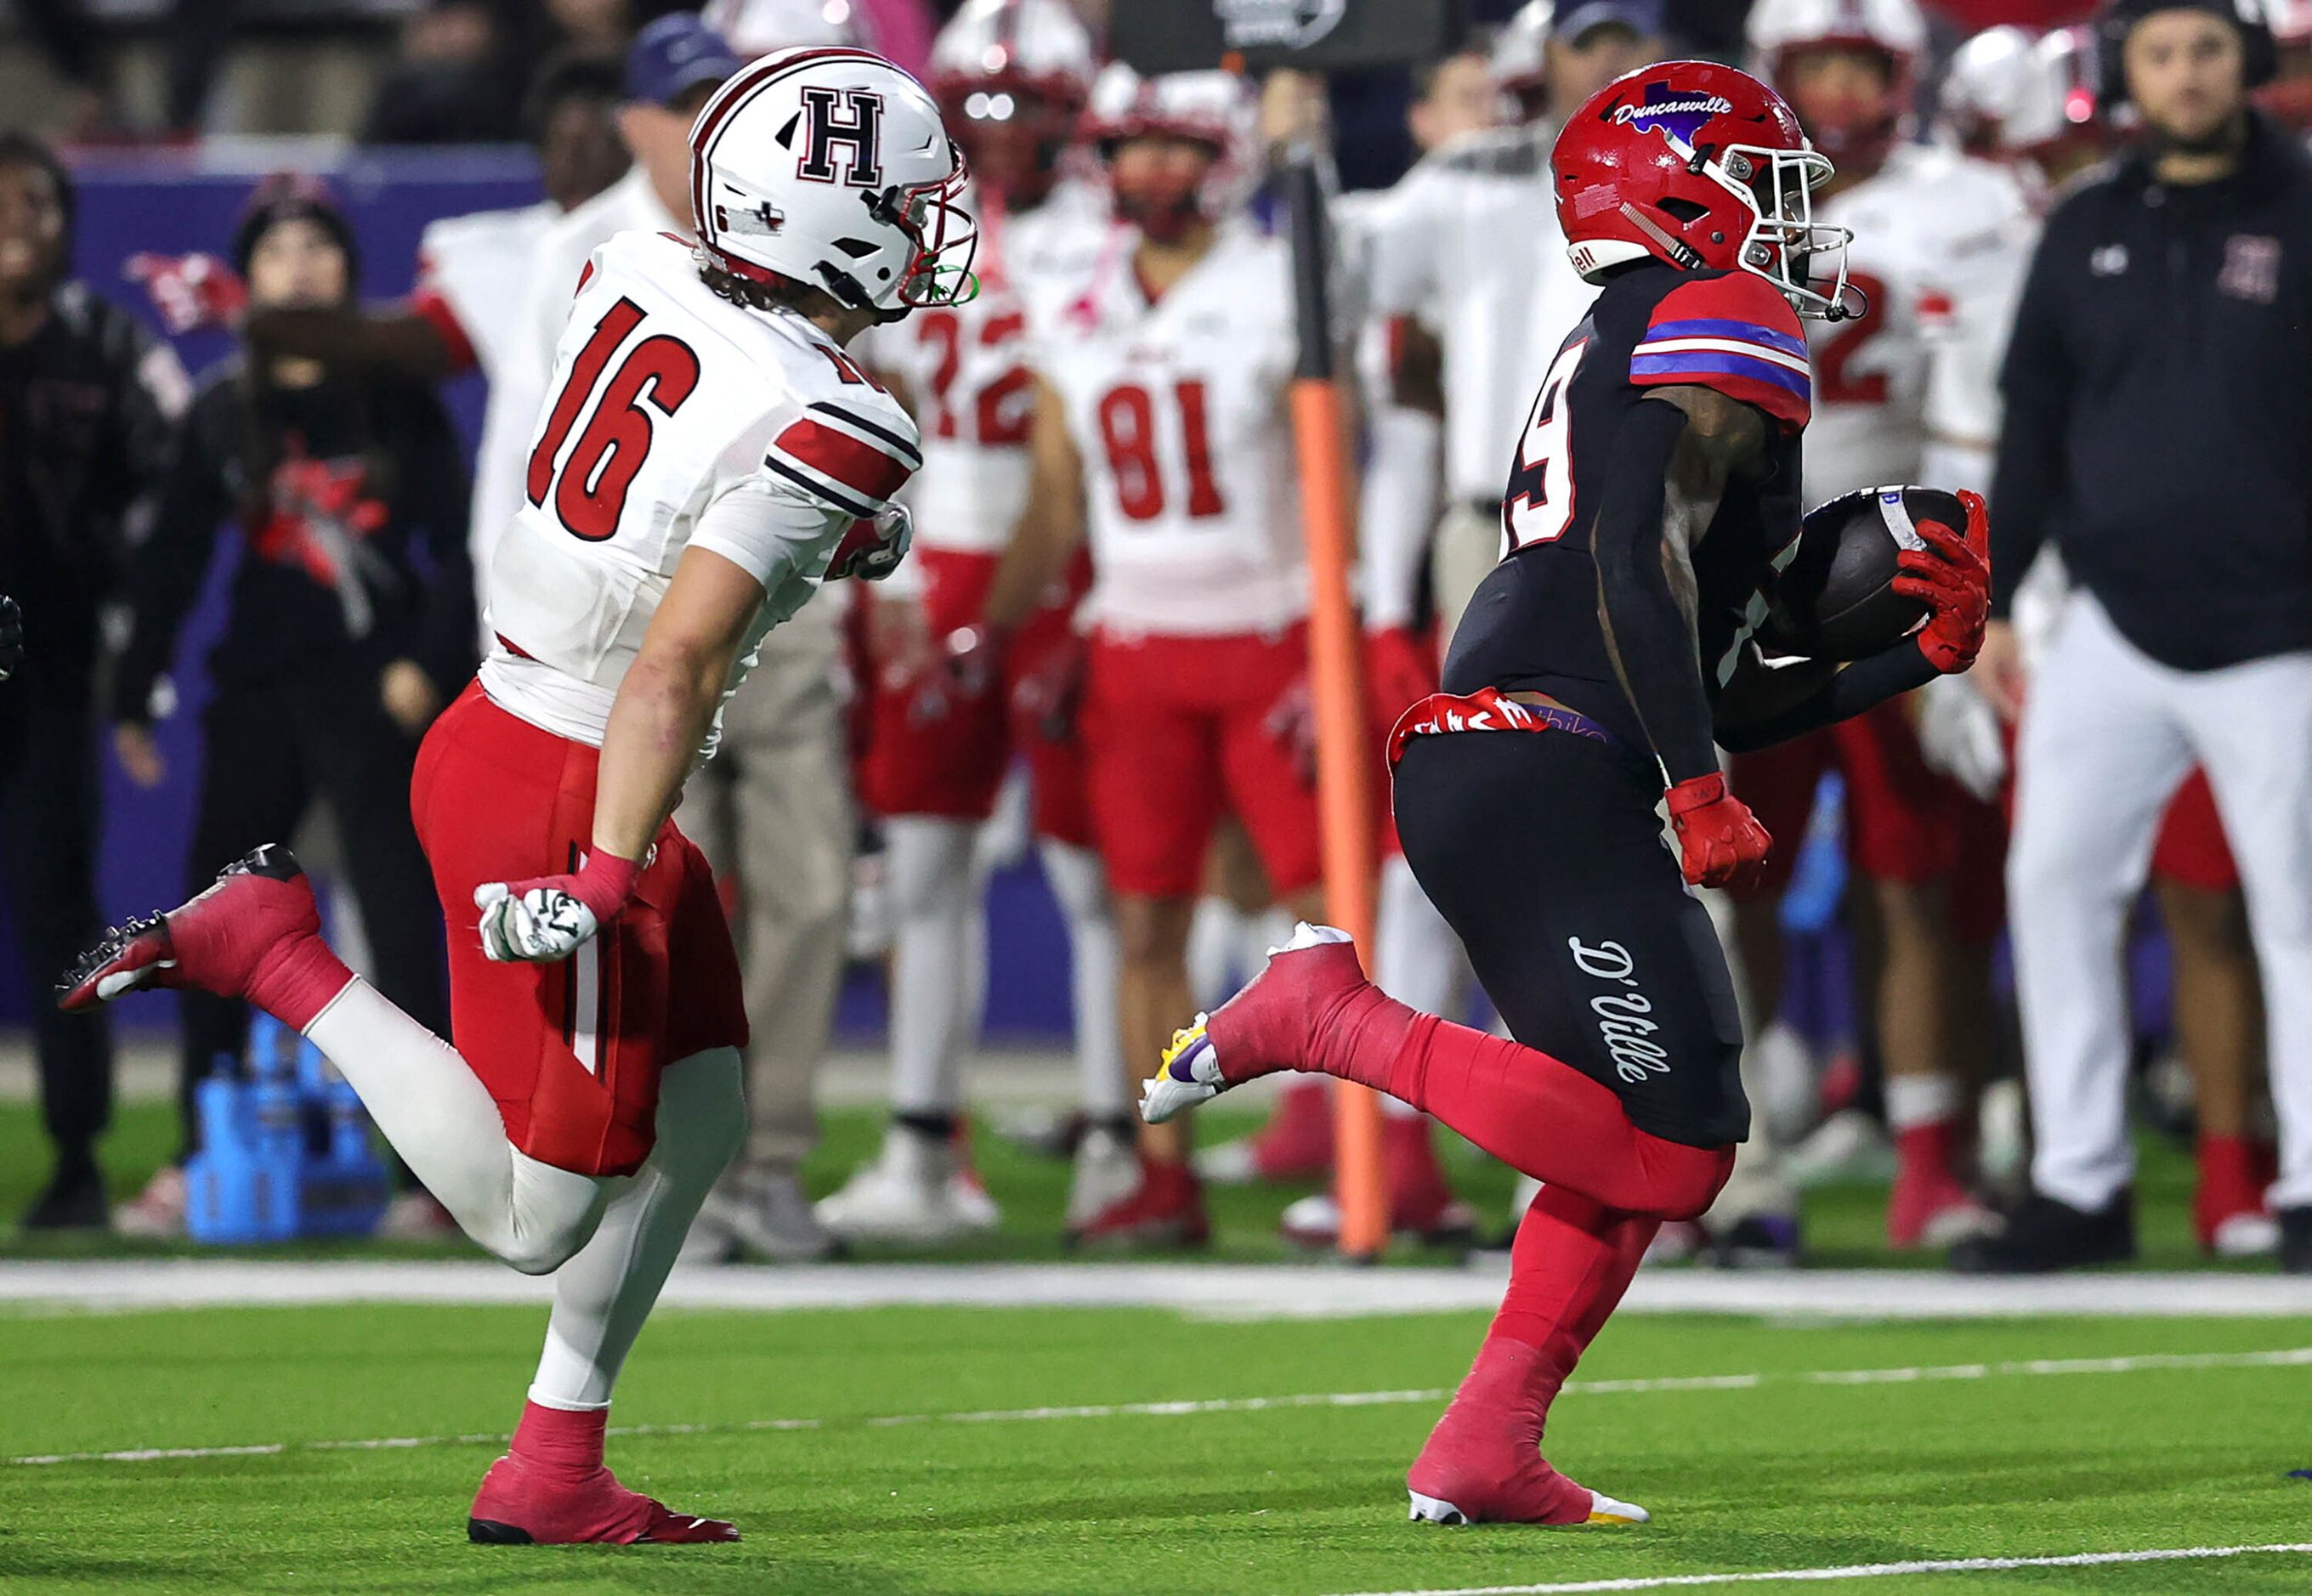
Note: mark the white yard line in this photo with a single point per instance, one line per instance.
(1204, 1290)
(1868, 1571)
(2024, 1368)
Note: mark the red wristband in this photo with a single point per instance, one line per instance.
(604, 882)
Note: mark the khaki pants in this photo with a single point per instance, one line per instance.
(772, 809)
(1466, 547)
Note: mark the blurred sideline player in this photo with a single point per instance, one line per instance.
(1012, 77)
(1159, 430)
(1422, 962)
(2036, 108)
(710, 458)
(1904, 392)
(1650, 505)
(1468, 269)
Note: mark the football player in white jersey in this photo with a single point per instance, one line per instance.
(1905, 391)
(709, 457)
(1417, 956)
(1159, 433)
(1012, 77)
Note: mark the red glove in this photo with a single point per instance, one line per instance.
(190, 291)
(871, 550)
(967, 664)
(1291, 720)
(1721, 843)
(1952, 578)
(1048, 696)
(1402, 669)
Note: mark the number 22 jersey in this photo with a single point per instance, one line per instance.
(1534, 624)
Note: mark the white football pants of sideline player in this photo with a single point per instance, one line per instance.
(2107, 734)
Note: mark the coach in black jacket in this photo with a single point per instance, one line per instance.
(2158, 431)
(87, 405)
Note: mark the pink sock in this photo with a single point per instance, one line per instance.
(559, 1441)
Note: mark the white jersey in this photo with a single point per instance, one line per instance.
(1177, 410)
(476, 269)
(1909, 390)
(966, 370)
(678, 421)
(473, 271)
(1467, 244)
(517, 381)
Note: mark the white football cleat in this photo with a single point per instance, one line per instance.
(1189, 1074)
(1107, 1172)
(912, 1191)
(1603, 1511)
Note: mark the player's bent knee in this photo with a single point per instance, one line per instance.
(1681, 1181)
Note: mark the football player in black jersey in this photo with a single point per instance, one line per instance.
(1651, 505)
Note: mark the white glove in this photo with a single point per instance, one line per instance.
(1959, 735)
(546, 918)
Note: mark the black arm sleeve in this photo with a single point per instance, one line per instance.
(1764, 704)
(2037, 384)
(438, 505)
(1648, 634)
(165, 572)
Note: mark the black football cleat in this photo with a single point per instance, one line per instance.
(2043, 1236)
(214, 942)
(73, 1199)
(2295, 1240)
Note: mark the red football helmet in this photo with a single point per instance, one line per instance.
(1012, 77)
(1701, 166)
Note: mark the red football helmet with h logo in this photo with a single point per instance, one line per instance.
(1702, 167)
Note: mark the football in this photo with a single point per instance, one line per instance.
(1835, 599)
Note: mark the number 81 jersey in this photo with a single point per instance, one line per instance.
(1177, 409)
(1533, 624)
(676, 419)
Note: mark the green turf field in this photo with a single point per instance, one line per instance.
(1790, 1473)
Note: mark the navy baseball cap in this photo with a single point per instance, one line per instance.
(1641, 17)
(673, 56)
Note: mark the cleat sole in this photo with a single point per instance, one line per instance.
(1435, 1510)
(491, 1532)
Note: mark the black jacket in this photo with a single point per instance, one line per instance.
(88, 406)
(349, 499)
(2159, 407)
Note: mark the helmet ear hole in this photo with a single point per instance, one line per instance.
(857, 249)
(1687, 211)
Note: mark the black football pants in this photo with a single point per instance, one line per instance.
(270, 752)
(1544, 852)
(49, 807)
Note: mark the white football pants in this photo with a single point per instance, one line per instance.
(2107, 736)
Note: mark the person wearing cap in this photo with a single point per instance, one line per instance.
(349, 625)
(772, 811)
(2156, 414)
(90, 398)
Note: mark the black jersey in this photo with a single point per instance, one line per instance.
(1533, 624)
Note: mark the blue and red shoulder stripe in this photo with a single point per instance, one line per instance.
(1734, 334)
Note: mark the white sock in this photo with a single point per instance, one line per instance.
(602, 1295)
(928, 867)
(1080, 885)
(1915, 1100)
(1215, 934)
(1270, 928)
(441, 1120)
(1416, 958)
